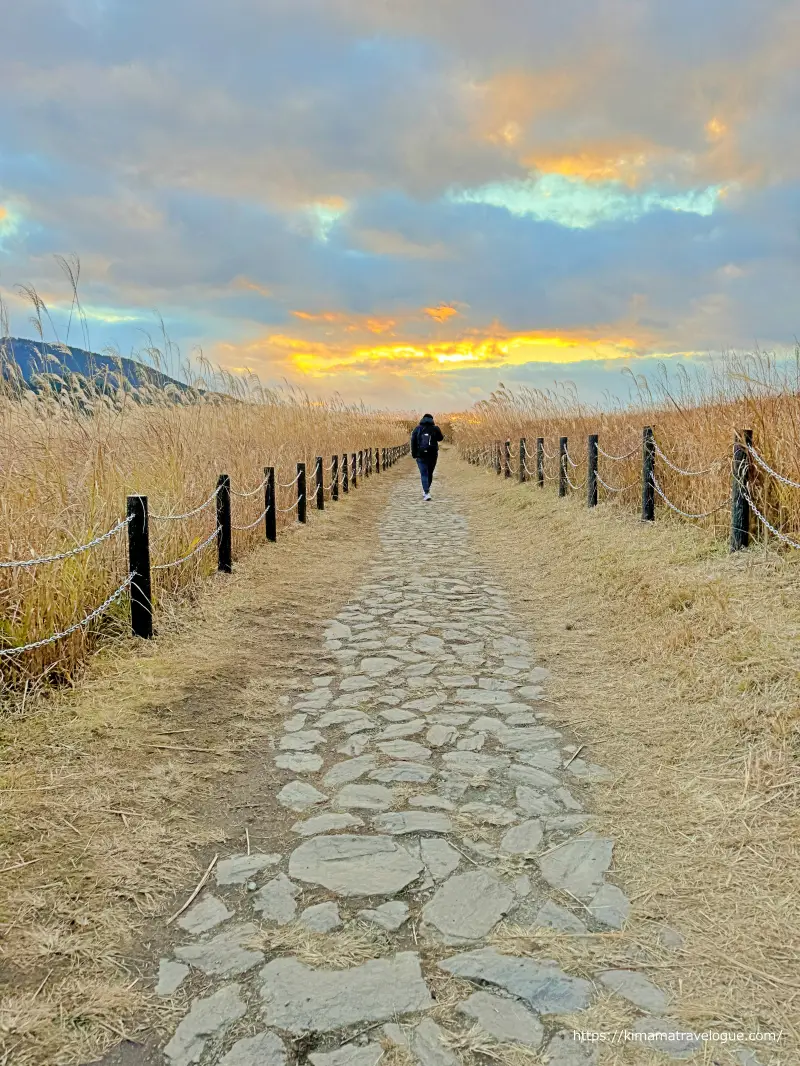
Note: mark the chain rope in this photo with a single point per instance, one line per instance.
(769, 526)
(285, 510)
(186, 558)
(188, 514)
(612, 488)
(774, 473)
(252, 492)
(618, 458)
(686, 473)
(252, 525)
(282, 486)
(9, 652)
(686, 514)
(22, 563)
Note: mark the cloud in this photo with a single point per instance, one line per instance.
(380, 194)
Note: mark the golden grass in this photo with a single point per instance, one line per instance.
(678, 666)
(121, 790)
(65, 479)
(694, 422)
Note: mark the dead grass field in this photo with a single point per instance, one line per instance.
(679, 666)
(114, 798)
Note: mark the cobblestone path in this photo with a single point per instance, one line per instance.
(429, 794)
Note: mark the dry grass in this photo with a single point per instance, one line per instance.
(694, 422)
(121, 791)
(678, 666)
(339, 950)
(65, 476)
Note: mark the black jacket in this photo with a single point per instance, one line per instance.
(427, 425)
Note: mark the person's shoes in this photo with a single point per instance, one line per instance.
(427, 496)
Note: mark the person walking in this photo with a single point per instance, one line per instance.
(425, 449)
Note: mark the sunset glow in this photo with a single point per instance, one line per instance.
(370, 199)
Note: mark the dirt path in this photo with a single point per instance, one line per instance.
(430, 854)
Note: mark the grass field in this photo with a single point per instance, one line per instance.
(65, 476)
(694, 421)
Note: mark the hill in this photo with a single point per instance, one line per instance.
(38, 365)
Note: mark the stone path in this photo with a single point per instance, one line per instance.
(429, 794)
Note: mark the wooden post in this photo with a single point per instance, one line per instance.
(301, 492)
(345, 485)
(224, 524)
(507, 458)
(498, 466)
(562, 465)
(320, 478)
(648, 473)
(334, 477)
(522, 456)
(591, 472)
(139, 567)
(271, 517)
(354, 476)
(740, 505)
(540, 462)
(377, 460)
(361, 463)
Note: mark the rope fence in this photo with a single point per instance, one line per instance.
(138, 582)
(19, 564)
(751, 476)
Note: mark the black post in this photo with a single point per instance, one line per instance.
(522, 456)
(648, 473)
(591, 472)
(224, 524)
(740, 505)
(562, 465)
(377, 460)
(271, 517)
(320, 485)
(361, 463)
(334, 477)
(301, 492)
(354, 477)
(139, 567)
(540, 462)
(497, 464)
(507, 458)
(345, 485)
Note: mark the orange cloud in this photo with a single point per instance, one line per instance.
(441, 313)
(495, 347)
(3, 213)
(323, 316)
(629, 164)
(242, 282)
(352, 323)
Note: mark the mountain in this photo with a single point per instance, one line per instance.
(35, 359)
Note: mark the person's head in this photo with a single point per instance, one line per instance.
(426, 418)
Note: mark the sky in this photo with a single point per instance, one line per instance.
(407, 201)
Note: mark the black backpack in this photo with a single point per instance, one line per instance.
(424, 441)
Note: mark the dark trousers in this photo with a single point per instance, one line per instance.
(426, 464)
